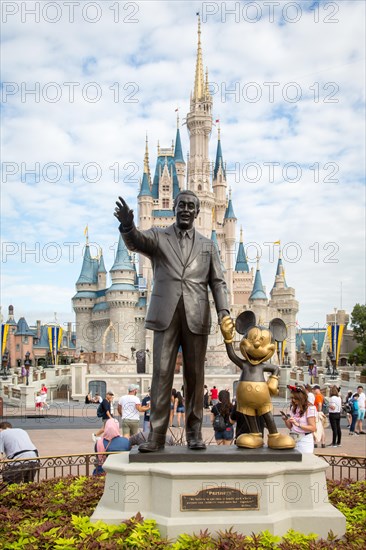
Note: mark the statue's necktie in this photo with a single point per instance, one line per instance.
(183, 245)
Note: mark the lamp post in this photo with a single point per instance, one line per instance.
(5, 363)
(329, 363)
(334, 367)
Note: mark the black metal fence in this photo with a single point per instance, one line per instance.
(47, 467)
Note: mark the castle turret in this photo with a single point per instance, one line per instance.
(284, 302)
(242, 278)
(219, 183)
(199, 124)
(145, 204)
(122, 297)
(180, 164)
(102, 272)
(84, 301)
(229, 235)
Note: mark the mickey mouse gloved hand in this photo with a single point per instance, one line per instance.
(227, 329)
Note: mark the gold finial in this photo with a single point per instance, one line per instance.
(257, 262)
(280, 253)
(199, 87)
(218, 131)
(158, 149)
(177, 119)
(100, 253)
(229, 193)
(241, 234)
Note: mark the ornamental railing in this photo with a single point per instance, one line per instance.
(47, 467)
(349, 467)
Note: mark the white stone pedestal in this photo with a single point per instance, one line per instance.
(284, 494)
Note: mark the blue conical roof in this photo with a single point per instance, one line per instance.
(241, 260)
(122, 260)
(89, 268)
(23, 328)
(145, 190)
(280, 273)
(229, 213)
(219, 160)
(101, 266)
(258, 291)
(214, 237)
(178, 153)
(162, 160)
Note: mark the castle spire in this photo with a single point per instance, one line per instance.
(146, 160)
(229, 214)
(199, 85)
(258, 290)
(219, 163)
(241, 259)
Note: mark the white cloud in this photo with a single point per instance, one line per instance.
(152, 61)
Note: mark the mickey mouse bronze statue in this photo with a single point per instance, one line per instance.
(253, 394)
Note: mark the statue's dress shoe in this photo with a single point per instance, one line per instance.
(151, 447)
(196, 445)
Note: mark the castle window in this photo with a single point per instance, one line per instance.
(199, 187)
(165, 203)
(166, 188)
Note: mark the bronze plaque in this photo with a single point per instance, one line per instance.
(219, 498)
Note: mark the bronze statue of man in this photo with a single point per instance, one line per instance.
(185, 264)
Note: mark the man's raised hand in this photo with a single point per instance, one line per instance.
(123, 213)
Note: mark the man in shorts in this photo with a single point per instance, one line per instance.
(129, 408)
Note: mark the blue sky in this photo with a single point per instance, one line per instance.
(288, 87)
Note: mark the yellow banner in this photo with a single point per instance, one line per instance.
(4, 336)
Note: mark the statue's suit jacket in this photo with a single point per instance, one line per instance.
(173, 279)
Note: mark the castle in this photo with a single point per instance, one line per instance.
(110, 318)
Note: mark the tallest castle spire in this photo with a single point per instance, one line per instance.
(199, 84)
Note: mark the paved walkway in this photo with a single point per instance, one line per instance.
(52, 440)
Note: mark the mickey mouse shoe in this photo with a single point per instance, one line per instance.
(280, 441)
(250, 441)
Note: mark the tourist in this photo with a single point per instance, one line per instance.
(301, 421)
(361, 409)
(146, 401)
(129, 408)
(110, 441)
(335, 406)
(180, 410)
(354, 412)
(16, 443)
(347, 407)
(319, 398)
(173, 407)
(214, 395)
(106, 409)
(223, 407)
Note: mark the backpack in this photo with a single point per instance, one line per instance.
(325, 407)
(219, 424)
(100, 411)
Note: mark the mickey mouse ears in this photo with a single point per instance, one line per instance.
(246, 320)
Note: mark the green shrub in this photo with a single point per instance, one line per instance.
(54, 514)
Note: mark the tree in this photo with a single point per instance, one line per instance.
(358, 324)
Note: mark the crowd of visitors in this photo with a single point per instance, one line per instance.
(309, 413)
